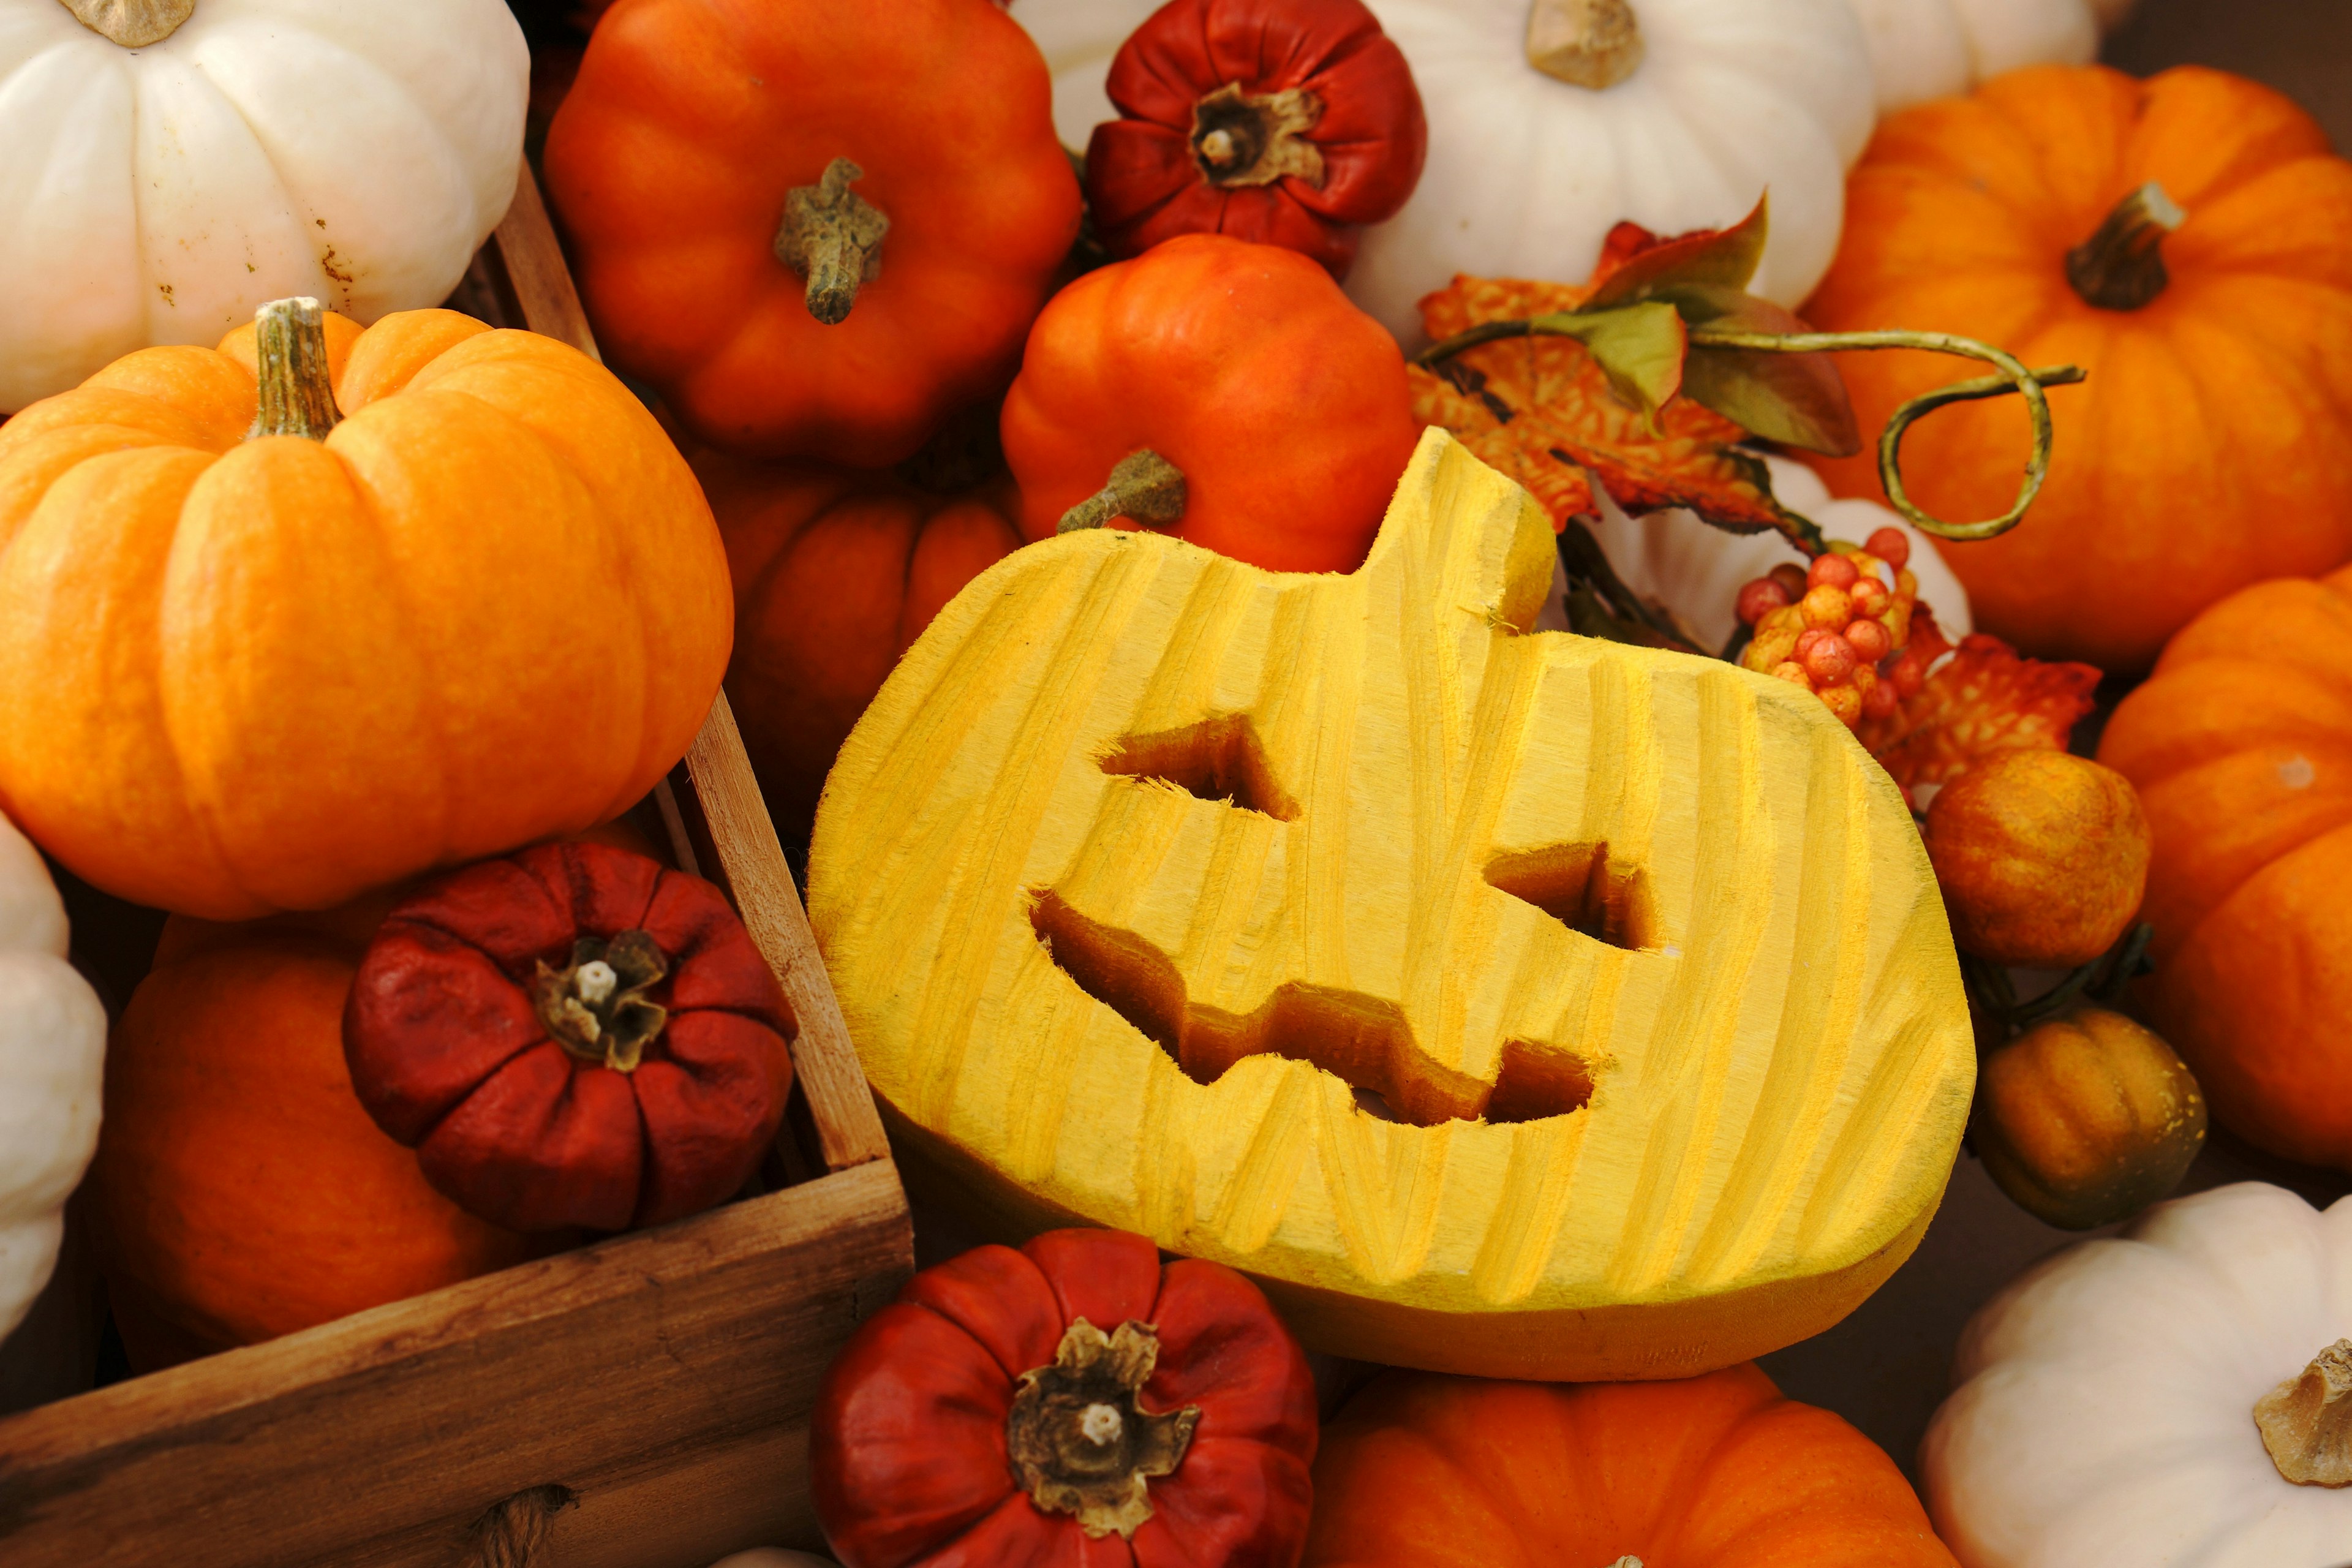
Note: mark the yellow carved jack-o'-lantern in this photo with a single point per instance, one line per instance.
(1508, 1004)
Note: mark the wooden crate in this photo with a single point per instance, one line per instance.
(640, 1403)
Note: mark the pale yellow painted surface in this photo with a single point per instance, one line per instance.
(1781, 1065)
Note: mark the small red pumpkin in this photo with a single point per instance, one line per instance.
(1024, 1407)
(1277, 415)
(571, 1036)
(1291, 123)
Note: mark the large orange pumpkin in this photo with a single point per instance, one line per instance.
(815, 227)
(2241, 750)
(2206, 450)
(240, 674)
(1425, 1471)
(836, 573)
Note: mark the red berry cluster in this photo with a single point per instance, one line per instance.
(1842, 630)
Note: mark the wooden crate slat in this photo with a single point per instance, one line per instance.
(535, 269)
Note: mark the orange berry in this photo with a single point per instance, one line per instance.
(1794, 673)
(1829, 607)
(1833, 572)
(1845, 702)
(1760, 598)
(1871, 597)
(1881, 701)
(1871, 642)
(1891, 545)
(1830, 660)
(1791, 576)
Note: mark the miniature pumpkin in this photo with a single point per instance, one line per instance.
(240, 1191)
(2045, 213)
(1501, 1001)
(2108, 1407)
(1292, 122)
(835, 574)
(1921, 49)
(1551, 122)
(2087, 1120)
(817, 229)
(2043, 857)
(172, 165)
(1276, 412)
(239, 675)
(1712, 1472)
(2241, 749)
(573, 1036)
(1030, 1407)
(52, 1051)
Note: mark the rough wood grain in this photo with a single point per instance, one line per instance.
(535, 270)
(1516, 1005)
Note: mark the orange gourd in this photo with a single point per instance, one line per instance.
(243, 675)
(2241, 746)
(815, 228)
(836, 573)
(240, 1191)
(2205, 451)
(1710, 1472)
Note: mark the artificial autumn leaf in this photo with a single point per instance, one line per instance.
(1985, 699)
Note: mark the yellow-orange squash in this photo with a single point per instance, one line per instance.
(2206, 450)
(240, 674)
(2241, 750)
(836, 573)
(1519, 1004)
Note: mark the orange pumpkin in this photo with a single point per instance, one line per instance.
(1710, 1472)
(240, 1191)
(244, 674)
(2205, 452)
(836, 573)
(2241, 750)
(815, 228)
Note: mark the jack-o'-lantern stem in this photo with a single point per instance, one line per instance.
(2306, 1421)
(2121, 268)
(295, 394)
(1585, 43)
(832, 238)
(133, 24)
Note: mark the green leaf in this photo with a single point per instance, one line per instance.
(1639, 347)
(1724, 260)
(1798, 400)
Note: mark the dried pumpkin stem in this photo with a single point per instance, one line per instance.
(1585, 43)
(597, 1007)
(296, 390)
(1240, 141)
(2121, 268)
(1144, 487)
(133, 24)
(2306, 1421)
(832, 238)
(1078, 1441)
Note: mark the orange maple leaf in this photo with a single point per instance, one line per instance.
(1986, 698)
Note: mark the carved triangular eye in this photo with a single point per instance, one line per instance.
(1217, 760)
(1580, 886)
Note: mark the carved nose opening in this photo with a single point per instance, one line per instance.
(1363, 1041)
(1580, 886)
(1218, 760)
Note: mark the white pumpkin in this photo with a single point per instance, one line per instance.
(2104, 1407)
(1921, 49)
(355, 151)
(1527, 173)
(1696, 569)
(52, 1059)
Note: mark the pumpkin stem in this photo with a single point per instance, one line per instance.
(1239, 141)
(1145, 487)
(832, 236)
(1585, 43)
(133, 24)
(2306, 1421)
(295, 394)
(595, 1006)
(2121, 268)
(1079, 1442)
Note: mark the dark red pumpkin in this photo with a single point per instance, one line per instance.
(571, 1036)
(1072, 1404)
(1289, 122)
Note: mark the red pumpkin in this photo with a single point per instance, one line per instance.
(1072, 1404)
(1281, 409)
(571, 1036)
(1291, 123)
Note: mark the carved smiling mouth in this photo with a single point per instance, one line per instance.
(1365, 1041)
